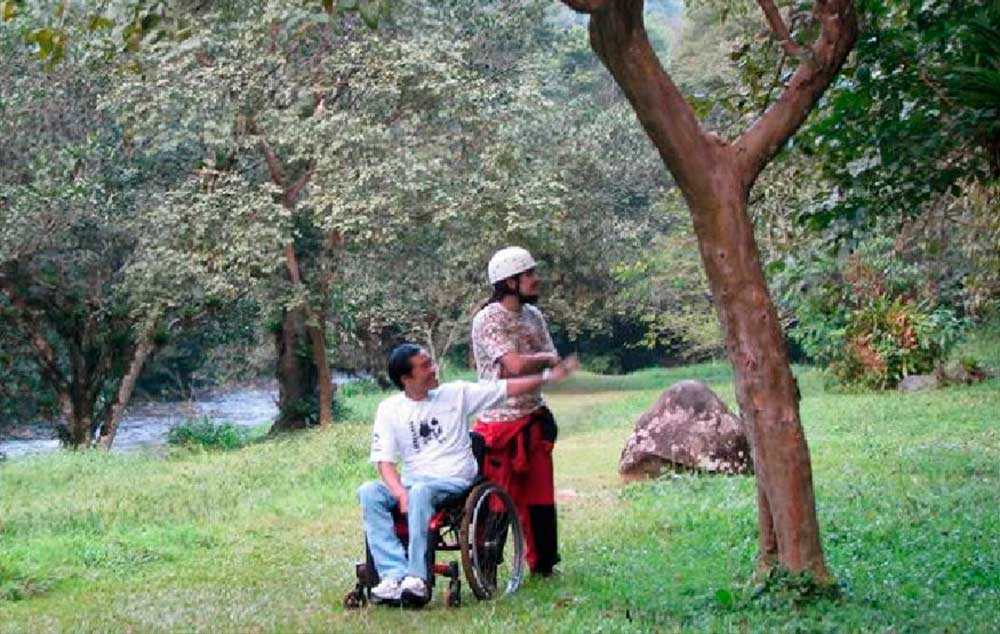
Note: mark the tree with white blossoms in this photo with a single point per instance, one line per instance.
(331, 115)
(93, 267)
(523, 169)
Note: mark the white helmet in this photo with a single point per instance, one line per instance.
(509, 262)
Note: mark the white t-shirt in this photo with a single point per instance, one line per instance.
(432, 435)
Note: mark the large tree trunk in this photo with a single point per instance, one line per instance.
(313, 326)
(295, 372)
(715, 178)
(765, 388)
(312, 321)
(80, 422)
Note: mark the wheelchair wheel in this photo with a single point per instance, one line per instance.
(491, 542)
(355, 599)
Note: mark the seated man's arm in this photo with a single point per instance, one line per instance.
(486, 394)
(384, 453)
(387, 470)
(560, 370)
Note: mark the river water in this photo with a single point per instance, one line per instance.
(146, 424)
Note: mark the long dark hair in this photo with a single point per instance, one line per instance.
(500, 290)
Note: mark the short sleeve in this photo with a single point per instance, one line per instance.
(547, 345)
(482, 395)
(383, 443)
(489, 336)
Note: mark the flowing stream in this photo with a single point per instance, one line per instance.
(146, 424)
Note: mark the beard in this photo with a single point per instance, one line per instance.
(528, 299)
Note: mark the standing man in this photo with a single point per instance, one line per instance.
(426, 425)
(510, 339)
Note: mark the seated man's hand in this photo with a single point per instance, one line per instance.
(403, 501)
(548, 359)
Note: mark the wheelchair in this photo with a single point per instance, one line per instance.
(481, 525)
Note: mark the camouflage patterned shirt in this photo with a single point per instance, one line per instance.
(497, 331)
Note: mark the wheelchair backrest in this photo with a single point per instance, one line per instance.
(478, 449)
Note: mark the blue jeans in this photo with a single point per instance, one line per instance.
(377, 503)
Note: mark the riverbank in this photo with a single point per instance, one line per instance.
(264, 538)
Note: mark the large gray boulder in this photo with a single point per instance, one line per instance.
(688, 427)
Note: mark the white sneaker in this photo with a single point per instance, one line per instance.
(413, 589)
(389, 589)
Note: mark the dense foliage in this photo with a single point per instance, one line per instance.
(161, 160)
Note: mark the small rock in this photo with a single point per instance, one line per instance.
(565, 495)
(957, 372)
(916, 382)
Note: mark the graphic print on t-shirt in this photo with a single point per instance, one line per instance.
(421, 433)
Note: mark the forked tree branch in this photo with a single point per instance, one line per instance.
(273, 164)
(292, 195)
(618, 36)
(838, 33)
(780, 30)
(586, 6)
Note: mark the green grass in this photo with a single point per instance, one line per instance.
(264, 538)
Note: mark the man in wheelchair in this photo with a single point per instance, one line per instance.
(426, 425)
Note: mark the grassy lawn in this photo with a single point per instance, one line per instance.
(264, 538)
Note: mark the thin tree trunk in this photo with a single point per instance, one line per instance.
(317, 341)
(431, 348)
(124, 394)
(317, 338)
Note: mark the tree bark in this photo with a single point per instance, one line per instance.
(80, 421)
(715, 178)
(317, 342)
(765, 388)
(142, 351)
(317, 339)
(295, 372)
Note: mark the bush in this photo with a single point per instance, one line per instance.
(206, 433)
(601, 363)
(871, 318)
(359, 387)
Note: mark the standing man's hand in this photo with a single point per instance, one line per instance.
(565, 368)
